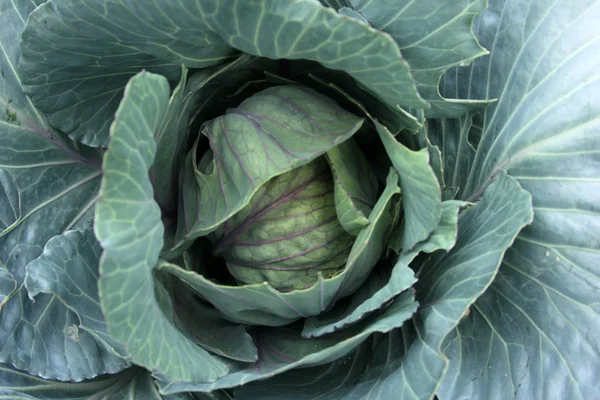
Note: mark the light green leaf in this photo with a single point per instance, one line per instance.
(128, 226)
(532, 334)
(260, 304)
(173, 134)
(283, 349)
(433, 35)
(421, 196)
(47, 186)
(131, 384)
(68, 269)
(355, 186)
(289, 234)
(270, 133)
(385, 282)
(384, 285)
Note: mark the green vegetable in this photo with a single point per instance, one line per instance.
(266, 199)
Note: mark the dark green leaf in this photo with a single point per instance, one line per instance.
(433, 36)
(282, 349)
(7, 286)
(68, 269)
(78, 56)
(131, 384)
(206, 326)
(80, 81)
(532, 335)
(450, 282)
(47, 186)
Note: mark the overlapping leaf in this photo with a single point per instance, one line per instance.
(387, 282)
(128, 226)
(46, 187)
(131, 384)
(96, 47)
(355, 185)
(433, 36)
(270, 133)
(421, 195)
(531, 335)
(282, 349)
(260, 304)
(68, 269)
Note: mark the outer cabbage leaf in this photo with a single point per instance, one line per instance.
(68, 269)
(47, 186)
(532, 335)
(129, 229)
(433, 35)
(283, 349)
(131, 384)
(408, 363)
(96, 47)
(386, 283)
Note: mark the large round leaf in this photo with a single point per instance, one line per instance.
(532, 335)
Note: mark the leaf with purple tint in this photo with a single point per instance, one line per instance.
(355, 186)
(261, 304)
(288, 234)
(270, 133)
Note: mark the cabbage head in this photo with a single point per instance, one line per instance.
(299, 199)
